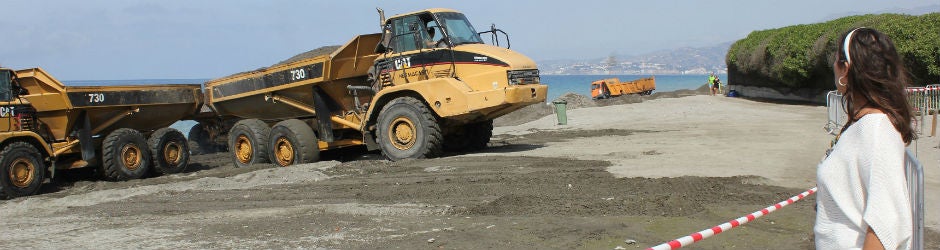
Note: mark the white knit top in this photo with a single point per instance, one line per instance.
(862, 184)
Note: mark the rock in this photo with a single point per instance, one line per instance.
(630, 241)
(431, 240)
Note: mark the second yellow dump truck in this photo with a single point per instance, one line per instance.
(426, 83)
(613, 87)
(120, 130)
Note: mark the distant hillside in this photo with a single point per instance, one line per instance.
(689, 58)
(675, 61)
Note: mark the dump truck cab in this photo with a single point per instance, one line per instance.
(433, 61)
(16, 114)
(599, 90)
(440, 49)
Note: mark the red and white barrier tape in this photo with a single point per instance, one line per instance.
(692, 238)
(922, 89)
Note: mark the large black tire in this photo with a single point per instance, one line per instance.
(293, 142)
(200, 143)
(407, 129)
(170, 151)
(125, 155)
(469, 137)
(22, 170)
(248, 142)
(456, 141)
(480, 134)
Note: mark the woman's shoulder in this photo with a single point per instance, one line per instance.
(877, 127)
(874, 121)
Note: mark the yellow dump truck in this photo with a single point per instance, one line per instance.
(613, 87)
(122, 130)
(426, 82)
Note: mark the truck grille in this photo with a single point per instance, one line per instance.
(520, 77)
(25, 122)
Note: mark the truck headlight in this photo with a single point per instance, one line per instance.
(520, 77)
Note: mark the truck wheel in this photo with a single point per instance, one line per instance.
(457, 141)
(469, 137)
(248, 142)
(480, 134)
(22, 170)
(293, 142)
(170, 151)
(126, 155)
(200, 143)
(407, 129)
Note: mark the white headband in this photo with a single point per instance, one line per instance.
(845, 45)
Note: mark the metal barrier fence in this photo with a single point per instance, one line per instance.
(924, 101)
(915, 185)
(837, 114)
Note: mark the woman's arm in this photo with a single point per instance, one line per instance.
(872, 242)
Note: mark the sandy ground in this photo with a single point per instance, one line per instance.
(629, 176)
(713, 137)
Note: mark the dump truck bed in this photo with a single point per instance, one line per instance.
(155, 106)
(618, 88)
(140, 107)
(243, 94)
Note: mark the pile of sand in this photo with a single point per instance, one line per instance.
(325, 50)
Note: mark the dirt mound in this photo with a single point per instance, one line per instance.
(535, 111)
(576, 101)
(310, 54)
(530, 113)
(325, 50)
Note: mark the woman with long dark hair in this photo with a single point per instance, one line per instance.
(863, 200)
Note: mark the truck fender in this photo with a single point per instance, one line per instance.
(445, 96)
(27, 136)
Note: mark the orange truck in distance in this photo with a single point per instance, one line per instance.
(613, 87)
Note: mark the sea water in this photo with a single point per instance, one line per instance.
(557, 85)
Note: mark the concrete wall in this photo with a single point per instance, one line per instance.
(802, 95)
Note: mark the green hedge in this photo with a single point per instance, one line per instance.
(800, 56)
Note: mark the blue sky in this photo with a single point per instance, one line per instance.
(112, 39)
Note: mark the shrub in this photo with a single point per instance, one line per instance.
(800, 56)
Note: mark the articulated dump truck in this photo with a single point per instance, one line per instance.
(121, 130)
(613, 87)
(426, 83)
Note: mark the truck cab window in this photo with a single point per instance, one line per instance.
(404, 32)
(458, 28)
(5, 86)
